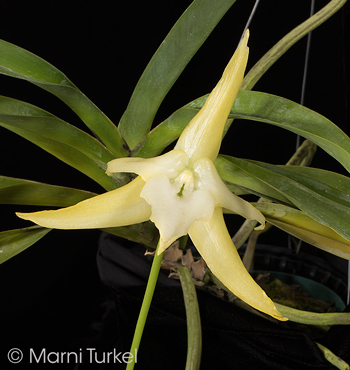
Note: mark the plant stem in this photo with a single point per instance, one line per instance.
(248, 258)
(313, 318)
(303, 155)
(151, 284)
(244, 232)
(194, 331)
(333, 359)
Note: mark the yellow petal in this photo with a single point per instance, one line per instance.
(119, 207)
(209, 179)
(202, 136)
(215, 246)
(169, 164)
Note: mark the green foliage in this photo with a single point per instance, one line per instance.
(13, 242)
(18, 191)
(64, 141)
(168, 62)
(321, 196)
(19, 63)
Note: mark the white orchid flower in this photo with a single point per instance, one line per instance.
(182, 193)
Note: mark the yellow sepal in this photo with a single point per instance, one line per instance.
(215, 246)
(202, 136)
(119, 207)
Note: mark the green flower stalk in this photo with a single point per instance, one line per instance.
(182, 193)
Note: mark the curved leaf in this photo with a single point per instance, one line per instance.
(330, 185)
(64, 141)
(233, 173)
(257, 106)
(168, 131)
(19, 191)
(303, 227)
(165, 133)
(319, 199)
(294, 117)
(182, 42)
(20, 63)
(13, 242)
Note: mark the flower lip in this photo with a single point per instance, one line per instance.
(173, 214)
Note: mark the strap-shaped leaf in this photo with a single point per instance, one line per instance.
(182, 42)
(20, 63)
(330, 185)
(13, 242)
(257, 106)
(165, 133)
(284, 113)
(303, 227)
(64, 141)
(19, 191)
(233, 173)
(318, 198)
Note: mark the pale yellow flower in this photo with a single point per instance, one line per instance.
(182, 193)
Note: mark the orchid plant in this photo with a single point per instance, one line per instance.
(187, 189)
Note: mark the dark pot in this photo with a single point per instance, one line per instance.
(321, 267)
(232, 337)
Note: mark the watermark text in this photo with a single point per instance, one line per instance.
(89, 355)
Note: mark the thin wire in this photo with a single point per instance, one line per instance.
(302, 98)
(306, 65)
(250, 17)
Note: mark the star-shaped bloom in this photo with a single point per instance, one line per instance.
(182, 193)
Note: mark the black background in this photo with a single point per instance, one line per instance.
(51, 292)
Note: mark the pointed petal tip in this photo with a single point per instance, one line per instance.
(22, 215)
(260, 227)
(245, 38)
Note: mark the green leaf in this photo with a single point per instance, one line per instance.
(19, 191)
(294, 117)
(300, 225)
(20, 63)
(327, 184)
(13, 242)
(320, 199)
(144, 233)
(165, 133)
(64, 141)
(182, 42)
(284, 113)
(232, 172)
(256, 106)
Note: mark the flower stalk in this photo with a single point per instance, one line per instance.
(146, 303)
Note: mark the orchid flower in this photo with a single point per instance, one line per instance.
(182, 193)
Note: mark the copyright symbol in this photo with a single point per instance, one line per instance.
(15, 355)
